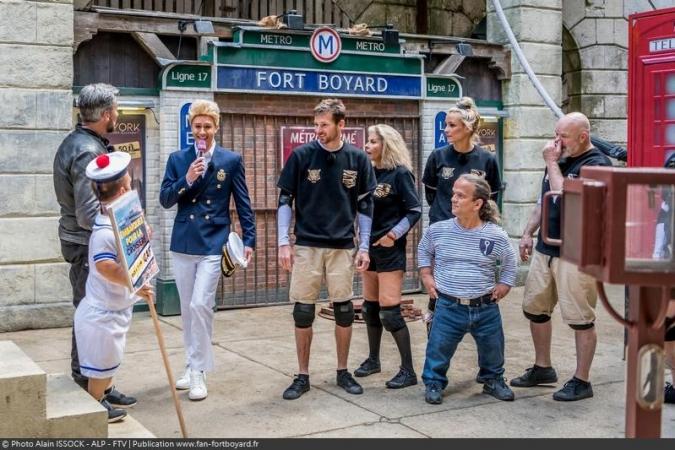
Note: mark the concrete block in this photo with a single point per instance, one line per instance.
(604, 31)
(519, 90)
(584, 33)
(22, 394)
(29, 151)
(634, 6)
(604, 56)
(573, 11)
(529, 122)
(544, 59)
(55, 110)
(52, 284)
(72, 412)
(31, 317)
(129, 428)
(36, 66)
(461, 25)
(17, 285)
(508, 4)
(604, 81)
(55, 23)
(526, 24)
(18, 108)
(22, 27)
(613, 130)
(524, 154)
(27, 194)
(621, 32)
(521, 186)
(474, 10)
(604, 106)
(515, 216)
(29, 240)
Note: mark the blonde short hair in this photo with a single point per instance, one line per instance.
(204, 108)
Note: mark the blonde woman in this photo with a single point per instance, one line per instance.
(446, 164)
(397, 209)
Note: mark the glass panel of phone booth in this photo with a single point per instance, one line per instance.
(649, 228)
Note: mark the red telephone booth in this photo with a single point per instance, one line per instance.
(651, 114)
(651, 88)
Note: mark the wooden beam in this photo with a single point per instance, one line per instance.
(87, 24)
(154, 47)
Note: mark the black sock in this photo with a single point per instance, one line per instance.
(341, 371)
(402, 339)
(580, 381)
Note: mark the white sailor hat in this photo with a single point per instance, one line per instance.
(108, 167)
(233, 255)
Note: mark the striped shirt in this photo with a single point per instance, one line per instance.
(465, 260)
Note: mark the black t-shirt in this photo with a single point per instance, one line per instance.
(395, 197)
(327, 187)
(570, 168)
(443, 168)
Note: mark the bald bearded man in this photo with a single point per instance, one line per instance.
(551, 280)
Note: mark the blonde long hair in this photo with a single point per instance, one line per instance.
(394, 151)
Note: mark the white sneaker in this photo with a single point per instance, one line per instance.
(197, 385)
(183, 382)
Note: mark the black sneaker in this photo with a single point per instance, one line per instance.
(403, 378)
(114, 414)
(116, 398)
(669, 394)
(498, 389)
(348, 383)
(433, 394)
(534, 376)
(368, 367)
(574, 390)
(299, 386)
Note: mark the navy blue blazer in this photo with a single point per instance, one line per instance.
(202, 221)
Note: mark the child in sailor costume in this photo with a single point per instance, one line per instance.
(104, 315)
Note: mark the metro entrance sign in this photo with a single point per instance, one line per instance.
(292, 137)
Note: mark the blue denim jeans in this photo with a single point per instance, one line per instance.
(451, 322)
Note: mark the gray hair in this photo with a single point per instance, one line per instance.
(94, 99)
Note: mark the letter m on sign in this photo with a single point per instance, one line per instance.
(325, 42)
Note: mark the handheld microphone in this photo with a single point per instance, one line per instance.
(201, 147)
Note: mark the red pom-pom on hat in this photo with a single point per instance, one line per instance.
(102, 161)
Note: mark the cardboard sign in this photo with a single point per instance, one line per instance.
(133, 240)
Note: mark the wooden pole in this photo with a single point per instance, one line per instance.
(167, 366)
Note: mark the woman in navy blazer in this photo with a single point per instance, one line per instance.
(201, 179)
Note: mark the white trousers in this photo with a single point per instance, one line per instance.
(197, 280)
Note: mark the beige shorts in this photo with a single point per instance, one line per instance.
(312, 265)
(560, 282)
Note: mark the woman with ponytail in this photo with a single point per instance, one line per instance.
(446, 164)
(458, 265)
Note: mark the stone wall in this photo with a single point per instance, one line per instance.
(446, 17)
(35, 114)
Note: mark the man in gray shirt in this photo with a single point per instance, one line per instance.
(77, 201)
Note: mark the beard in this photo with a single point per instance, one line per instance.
(110, 127)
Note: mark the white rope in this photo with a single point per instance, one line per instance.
(523, 61)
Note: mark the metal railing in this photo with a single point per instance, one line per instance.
(313, 11)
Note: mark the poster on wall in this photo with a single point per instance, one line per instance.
(292, 137)
(129, 136)
(133, 240)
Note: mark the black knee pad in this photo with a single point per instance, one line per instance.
(391, 318)
(344, 313)
(303, 314)
(670, 329)
(582, 327)
(371, 314)
(537, 318)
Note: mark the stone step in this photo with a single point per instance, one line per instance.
(22, 394)
(72, 412)
(129, 428)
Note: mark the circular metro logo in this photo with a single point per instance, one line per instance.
(325, 44)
